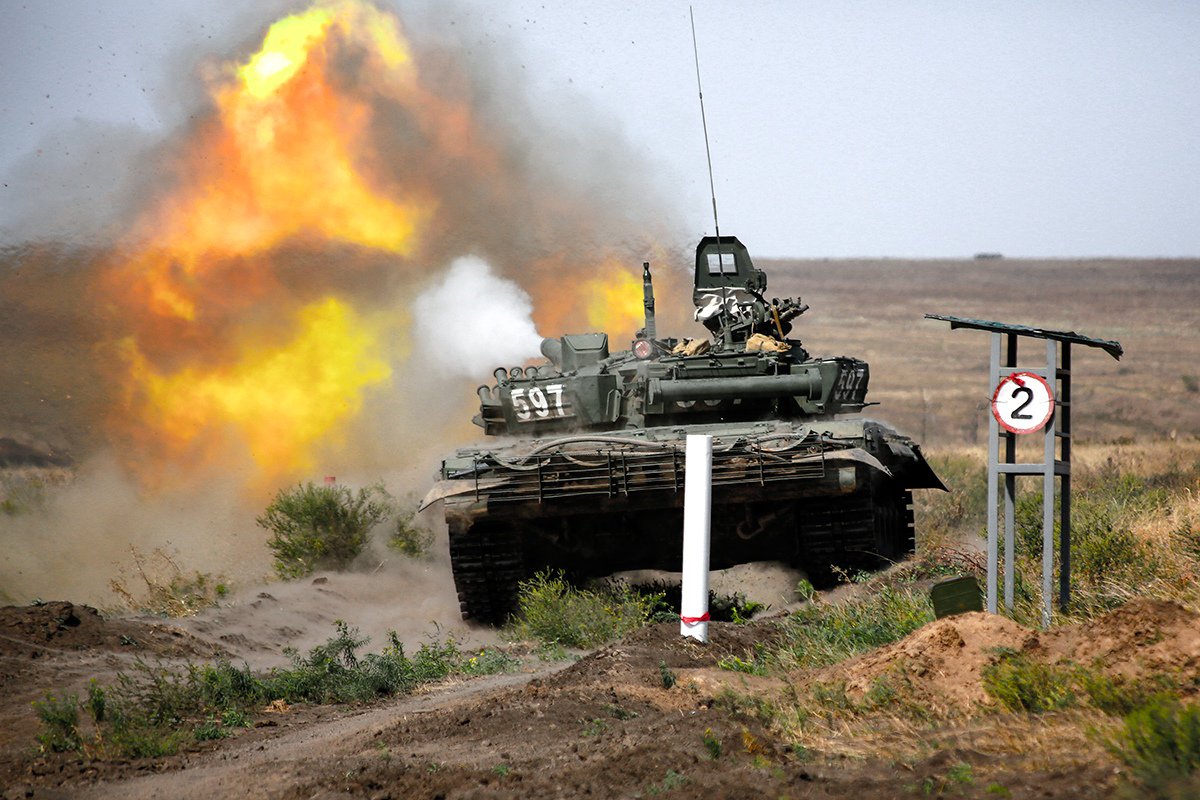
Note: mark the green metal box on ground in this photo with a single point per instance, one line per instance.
(956, 596)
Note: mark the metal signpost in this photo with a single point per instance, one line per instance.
(1025, 402)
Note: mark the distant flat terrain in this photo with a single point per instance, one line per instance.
(931, 381)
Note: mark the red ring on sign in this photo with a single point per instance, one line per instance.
(1020, 379)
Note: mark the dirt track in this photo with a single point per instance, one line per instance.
(604, 726)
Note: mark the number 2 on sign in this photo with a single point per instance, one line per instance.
(1023, 402)
(533, 401)
(1025, 390)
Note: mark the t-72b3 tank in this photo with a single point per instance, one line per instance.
(588, 477)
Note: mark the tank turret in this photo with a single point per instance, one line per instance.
(589, 475)
(747, 371)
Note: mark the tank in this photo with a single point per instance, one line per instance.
(586, 474)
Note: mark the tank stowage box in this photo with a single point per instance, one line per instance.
(588, 475)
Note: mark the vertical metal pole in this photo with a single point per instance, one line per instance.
(993, 478)
(1048, 497)
(1063, 412)
(1010, 495)
(697, 511)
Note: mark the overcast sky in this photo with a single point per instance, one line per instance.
(919, 128)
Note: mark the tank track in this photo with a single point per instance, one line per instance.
(864, 532)
(488, 565)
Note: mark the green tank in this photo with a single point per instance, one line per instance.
(587, 472)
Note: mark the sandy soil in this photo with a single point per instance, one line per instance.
(603, 726)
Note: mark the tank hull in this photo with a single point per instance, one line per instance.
(822, 495)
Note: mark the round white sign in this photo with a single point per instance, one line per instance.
(1023, 402)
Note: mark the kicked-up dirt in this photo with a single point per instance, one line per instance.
(652, 715)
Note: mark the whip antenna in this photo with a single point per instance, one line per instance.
(704, 123)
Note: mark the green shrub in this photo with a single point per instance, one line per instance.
(1019, 683)
(60, 723)
(143, 741)
(96, 700)
(712, 744)
(668, 599)
(235, 718)
(408, 537)
(333, 673)
(670, 782)
(1103, 507)
(666, 676)
(825, 633)
(209, 729)
(551, 611)
(221, 685)
(489, 661)
(1160, 743)
(755, 663)
(1117, 695)
(322, 526)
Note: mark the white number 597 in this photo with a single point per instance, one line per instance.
(533, 401)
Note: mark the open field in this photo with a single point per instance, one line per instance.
(931, 381)
(653, 715)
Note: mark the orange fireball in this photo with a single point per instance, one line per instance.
(276, 164)
(261, 292)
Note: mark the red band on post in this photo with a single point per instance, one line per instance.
(693, 620)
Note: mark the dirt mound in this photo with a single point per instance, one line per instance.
(941, 665)
(1143, 637)
(644, 652)
(61, 627)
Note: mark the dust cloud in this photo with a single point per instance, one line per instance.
(414, 598)
(141, 323)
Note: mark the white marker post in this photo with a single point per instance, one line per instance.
(697, 518)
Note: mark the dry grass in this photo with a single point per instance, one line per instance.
(931, 381)
(1145, 495)
(1024, 742)
(165, 589)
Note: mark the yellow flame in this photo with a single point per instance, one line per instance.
(286, 46)
(282, 160)
(280, 400)
(284, 51)
(614, 302)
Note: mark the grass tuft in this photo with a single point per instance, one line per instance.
(820, 634)
(551, 611)
(1019, 683)
(166, 590)
(1160, 743)
(152, 710)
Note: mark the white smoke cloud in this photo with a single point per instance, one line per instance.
(472, 321)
